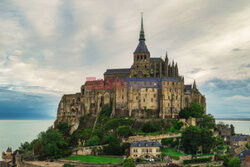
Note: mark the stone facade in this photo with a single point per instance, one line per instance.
(151, 87)
(145, 150)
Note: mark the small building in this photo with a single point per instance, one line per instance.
(244, 158)
(239, 140)
(145, 149)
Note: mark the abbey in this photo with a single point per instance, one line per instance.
(151, 87)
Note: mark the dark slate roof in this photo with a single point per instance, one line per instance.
(145, 144)
(120, 70)
(157, 59)
(242, 155)
(171, 79)
(9, 149)
(188, 87)
(239, 138)
(142, 47)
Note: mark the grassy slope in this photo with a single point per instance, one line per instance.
(172, 152)
(95, 159)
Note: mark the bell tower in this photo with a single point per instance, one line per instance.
(141, 65)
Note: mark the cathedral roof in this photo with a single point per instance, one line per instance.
(171, 79)
(119, 70)
(142, 47)
(157, 59)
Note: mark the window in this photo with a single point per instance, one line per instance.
(144, 57)
(154, 95)
(151, 99)
(137, 58)
(122, 97)
(176, 97)
(143, 150)
(173, 83)
(150, 150)
(143, 100)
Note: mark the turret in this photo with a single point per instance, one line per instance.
(176, 70)
(166, 65)
(173, 69)
(194, 85)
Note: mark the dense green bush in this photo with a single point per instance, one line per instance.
(124, 131)
(176, 125)
(195, 110)
(167, 141)
(128, 163)
(234, 162)
(197, 160)
(150, 127)
(93, 141)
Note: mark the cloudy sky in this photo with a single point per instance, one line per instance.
(49, 47)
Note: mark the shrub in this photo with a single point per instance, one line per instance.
(95, 140)
(234, 162)
(167, 141)
(150, 127)
(128, 163)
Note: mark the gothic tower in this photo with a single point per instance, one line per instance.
(141, 66)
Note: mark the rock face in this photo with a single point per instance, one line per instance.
(152, 87)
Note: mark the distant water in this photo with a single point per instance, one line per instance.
(14, 132)
(240, 126)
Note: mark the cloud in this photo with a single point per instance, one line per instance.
(50, 48)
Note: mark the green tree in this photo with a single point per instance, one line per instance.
(191, 139)
(124, 131)
(150, 127)
(51, 144)
(114, 147)
(64, 128)
(176, 125)
(94, 141)
(128, 163)
(207, 141)
(207, 121)
(234, 162)
(195, 110)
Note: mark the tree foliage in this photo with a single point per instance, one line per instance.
(64, 128)
(124, 131)
(128, 163)
(51, 144)
(207, 121)
(176, 125)
(149, 127)
(234, 162)
(194, 137)
(195, 111)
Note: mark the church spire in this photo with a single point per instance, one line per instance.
(142, 36)
(194, 85)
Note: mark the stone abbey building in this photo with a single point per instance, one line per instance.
(151, 87)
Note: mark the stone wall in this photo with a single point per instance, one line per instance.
(150, 138)
(92, 150)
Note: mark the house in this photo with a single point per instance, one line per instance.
(145, 149)
(239, 140)
(244, 158)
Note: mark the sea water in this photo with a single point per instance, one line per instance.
(15, 132)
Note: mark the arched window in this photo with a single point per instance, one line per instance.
(144, 57)
(137, 58)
